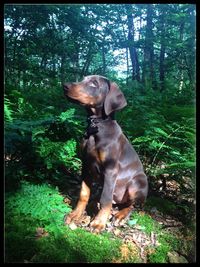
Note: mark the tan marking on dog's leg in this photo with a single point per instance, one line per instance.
(99, 222)
(81, 205)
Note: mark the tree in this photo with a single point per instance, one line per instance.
(148, 63)
(130, 41)
(162, 47)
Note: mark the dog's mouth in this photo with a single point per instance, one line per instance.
(73, 99)
(69, 95)
(80, 98)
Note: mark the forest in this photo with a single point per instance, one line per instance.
(149, 50)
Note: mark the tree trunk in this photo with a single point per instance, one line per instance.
(75, 60)
(148, 76)
(127, 58)
(137, 68)
(127, 66)
(132, 49)
(162, 52)
(162, 68)
(103, 57)
(181, 75)
(62, 74)
(191, 57)
(87, 62)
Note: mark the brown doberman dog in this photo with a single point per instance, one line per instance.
(107, 154)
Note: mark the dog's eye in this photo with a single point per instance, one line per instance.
(94, 83)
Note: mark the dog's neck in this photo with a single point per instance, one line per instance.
(99, 113)
(95, 117)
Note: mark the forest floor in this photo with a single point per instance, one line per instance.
(163, 231)
(35, 231)
(149, 236)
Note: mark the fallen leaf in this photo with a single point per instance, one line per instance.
(116, 232)
(40, 232)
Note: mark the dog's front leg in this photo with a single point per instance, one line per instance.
(99, 222)
(76, 214)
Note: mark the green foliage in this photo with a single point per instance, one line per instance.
(53, 145)
(166, 241)
(160, 255)
(49, 146)
(40, 202)
(96, 249)
(162, 134)
(25, 109)
(145, 222)
(58, 152)
(165, 206)
(42, 206)
(67, 115)
(8, 112)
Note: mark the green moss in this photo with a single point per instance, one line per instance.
(42, 206)
(160, 254)
(175, 243)
(145, 222)
(166, 241)
(20, 242)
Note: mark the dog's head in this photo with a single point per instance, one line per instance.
(96, 92)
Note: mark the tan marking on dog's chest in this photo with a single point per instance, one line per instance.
(102, 155)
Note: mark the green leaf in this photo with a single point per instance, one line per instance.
(161, 132)
(132, 222)
(66, 115)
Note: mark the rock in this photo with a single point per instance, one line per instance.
(174, 257)
(85, 220)
(72, 226)
(154, 210)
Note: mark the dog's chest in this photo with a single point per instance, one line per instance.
(92, 156)
(91, 150)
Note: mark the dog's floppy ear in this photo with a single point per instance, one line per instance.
(114, 100)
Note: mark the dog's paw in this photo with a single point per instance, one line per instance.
(118, 222)
(73, 216)
(97, 225)
(121, 217)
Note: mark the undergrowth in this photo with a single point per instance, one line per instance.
(165, 206)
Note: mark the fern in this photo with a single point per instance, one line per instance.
(67, 115)
(8, 112)
(41, 202)
(59, 152)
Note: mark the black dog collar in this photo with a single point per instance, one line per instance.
(92, 127)
(93, 122)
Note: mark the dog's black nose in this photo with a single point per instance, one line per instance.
(66, 86)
